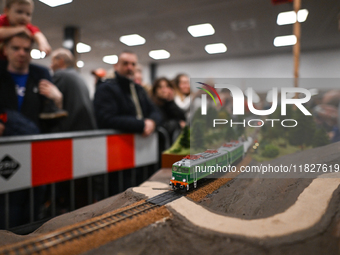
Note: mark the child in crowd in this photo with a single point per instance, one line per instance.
(16, 19)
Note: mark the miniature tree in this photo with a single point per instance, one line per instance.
(230, 134)
(211, 115)
(198, 115)
(320, 138)
(302, 134)
(223, 114)
(185, 139)
(270, 151)
(197, 135)
(277, 130)
(240, 129)
(270, 132)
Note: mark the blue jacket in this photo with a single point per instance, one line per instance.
(33, 103)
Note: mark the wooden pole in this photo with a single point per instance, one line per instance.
(296, 47)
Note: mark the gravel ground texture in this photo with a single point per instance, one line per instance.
(241, 198)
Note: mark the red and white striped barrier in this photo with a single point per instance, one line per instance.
(30, 164)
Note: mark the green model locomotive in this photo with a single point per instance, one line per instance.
(187, 172)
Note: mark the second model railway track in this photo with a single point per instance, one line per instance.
(53, 239)
(37, 245)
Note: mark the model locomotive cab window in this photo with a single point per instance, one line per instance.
(185, 170)
(180, 169)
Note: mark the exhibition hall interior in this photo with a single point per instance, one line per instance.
(166, 127)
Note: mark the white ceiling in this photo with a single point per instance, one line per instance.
(247, 27)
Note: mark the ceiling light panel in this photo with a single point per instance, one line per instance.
(302, 15)
(201, 30)
(132, 40)
(55, 3)
(83, 48)
(80, 64)
(68, 44)
(159, 54)
(285, 18)
(215, 48)
(110, 59)
(37, 54)
(286, 40)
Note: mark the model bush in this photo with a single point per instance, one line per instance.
(270, 151)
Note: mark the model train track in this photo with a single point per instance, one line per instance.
(165, 198)
(53, 239)
(47, 241)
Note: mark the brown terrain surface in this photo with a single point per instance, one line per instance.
(244, 198)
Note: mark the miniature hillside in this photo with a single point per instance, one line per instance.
(182, 144)
(246, 199)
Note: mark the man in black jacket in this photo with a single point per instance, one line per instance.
(123, 105)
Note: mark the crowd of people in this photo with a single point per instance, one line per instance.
(33, 102)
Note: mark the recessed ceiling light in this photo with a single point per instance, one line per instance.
(54, 3)
(132, 40)
(302, 15)
(80, 64)
(286, 40)
(110, 59)
(201, 30)
(159, 54)
(37, 54)
(285, 18)
(83, 48)
(215, 48)
(68, 44)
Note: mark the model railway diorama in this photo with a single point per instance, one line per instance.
(187, 172)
